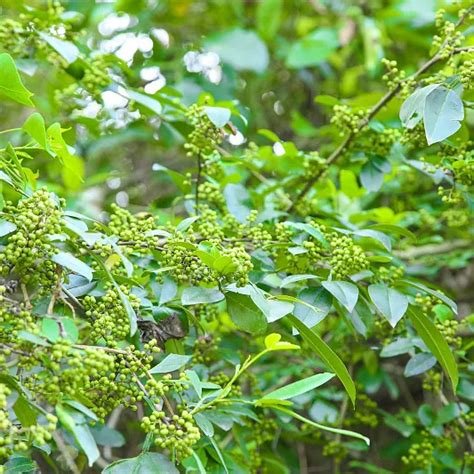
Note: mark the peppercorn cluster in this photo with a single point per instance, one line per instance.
(36, 219)
(177, 432)
(108, 314)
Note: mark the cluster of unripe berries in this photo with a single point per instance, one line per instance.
(335, 450)
(207, 312)
(20, 36)
(134, 231)
(448, 37)
(178, 432)
(432, 381)
(36, 218)
(14, 438)
(348, 120)
(390, 274)
(420, 455)
(13, 319)
(366, 413)
(448, 329)
(347, 258)
(205, 349)
(180, 255)
(466, 73)
(108, 315)
(205, 136)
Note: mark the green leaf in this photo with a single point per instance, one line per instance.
(442, 114)
(10, 82)
(245, 314)
(313, 49)
(26, 413)
(327, 355)
(74, 167)
(309, 229)
(319, 304)
(301, 386)
(219, 116)
(393, 229)
(35, 127)
(384, 239)
(411, 111)
(352, 434)
(432, 292)
(371, 177)
(169, 289)
(269, 15)
(72, 263)
(419, 364)
(83, 409)
(401, 345)
(435, 343)
(242, 49)
(200, 295)
(20, 465)
(186, 223)
(69, 51)
(170, 363)
(106, 436)
(296, 278)
(349, 186)
(204, 424)
(391, 303)
(50, 329)
(6, 227)
(75, 423)
(273, 343)
(146, 100)
(346, 293)
(195, 382)
(145, 463)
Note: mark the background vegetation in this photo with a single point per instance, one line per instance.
(236, 236)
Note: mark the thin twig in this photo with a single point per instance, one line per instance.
(198, 183)
(64, 451)
(56, 292)
(26, 297)
(374, 111)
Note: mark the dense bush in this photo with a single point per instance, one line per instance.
(234, 237)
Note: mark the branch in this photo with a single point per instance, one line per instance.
(198, 183)
(433, 249)
(374, 111)
(64, 451)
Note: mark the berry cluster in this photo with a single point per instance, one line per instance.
(347, 119)
(178, 433)
(205, 136)
(448, 329)
(206, 349)
(347, 258)
(335, 450)
(420, 455)
(134, 231)
(448, 37)
(108, 315)
(15, 439)
(366, 413)
(36, 218)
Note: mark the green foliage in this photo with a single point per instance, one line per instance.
(236, 242)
